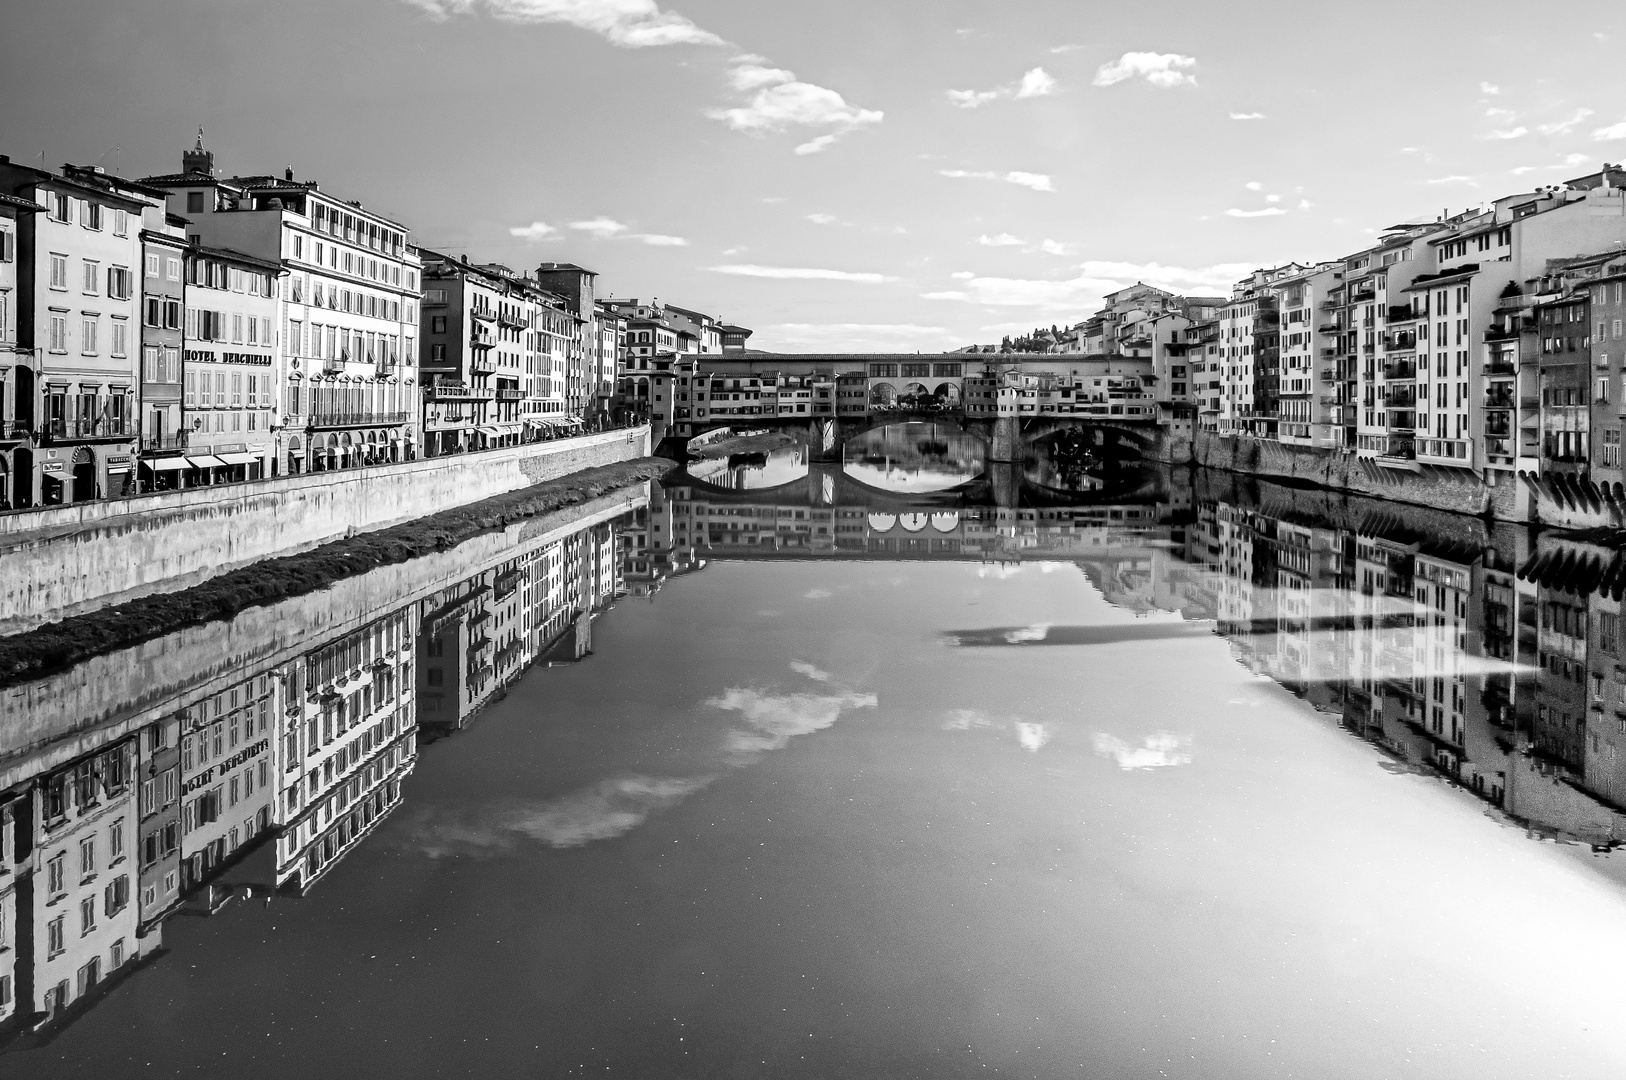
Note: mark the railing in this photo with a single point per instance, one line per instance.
(1404, 369)
(355, 419)
(16, 429)
(1400, 313)
(1329, 328)
(1400, 397)
(458, 392)
(1401, 341)
(86, 428)
(333, 365)
(510, 395)
(1499, 397)
(482, 365)
(175, 440)
(1499, 367)
(482, 315)
(385, 368)
(1502, 333)
(1330, 377)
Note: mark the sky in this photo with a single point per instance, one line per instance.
(847, 174)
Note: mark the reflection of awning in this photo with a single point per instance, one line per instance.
(239, 459)
(206, 461)
(570, 421)
(167, 464)
(488, 432)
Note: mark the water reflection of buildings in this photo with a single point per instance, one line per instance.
(250, 758)
(1411, 626)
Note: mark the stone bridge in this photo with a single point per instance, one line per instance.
(1009, 438)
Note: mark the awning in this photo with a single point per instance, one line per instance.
(571, 420)
(167, 464)
(488, 432)
(240, 459)
(205, 461)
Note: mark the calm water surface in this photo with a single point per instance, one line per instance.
(1228, 783)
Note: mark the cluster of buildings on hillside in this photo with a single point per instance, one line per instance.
(1489, 340)
(192, 328)
(253, 777)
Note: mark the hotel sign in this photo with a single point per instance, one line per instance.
(207, 776)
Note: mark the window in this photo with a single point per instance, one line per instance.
(151, 264)
(53, 936)
(115, 840)
(93, 216)
(59, 272)
(87, 336)
(93, 277)
(56, 878)
(87, 856)
(87, 915)
(172, 269)
(119, 281)
(194, 202)
(121, 337)
(61, 207)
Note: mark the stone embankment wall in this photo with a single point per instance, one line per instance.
(72, 559)
(1458, 490)
(58, 718)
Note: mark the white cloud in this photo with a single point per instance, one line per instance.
(802, 667)
(1053, 247)
(814, 145)
(1565, 125)
(733, 250)
(965, 275)
(780, 101)
(632, 24)
(817, 594)
(1036, 181)
(1455, 179)
(536, 230)
(599, 226)
(1003, 239)
(1500, 114)
(1273, 198)
(1573, 159)
(775, 719)
(1487, 88)
(1254, 185)
(1509, 133)
(1305, 204)
(1156, 751)
(1160, 69)
(858, 337)
(1036, 632)
(1031, 736)
(821, 219)
(796, 273)
(1097, 278)
(659, 240)
(1247, 116)
(1613, 131)
(973, 99)
(1269, 211)
(1061, 49)
(1034, 83)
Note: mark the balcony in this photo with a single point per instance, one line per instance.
(1399, 397)
(510, 395)
(1503, 333)
(482, 315)
(87, 429)
(458, 392)
(1403, 447)
(1501, 365)
(1327, 375)
(355, 419)
(385, 369)
(174, 440)
(513, 322)
(1362, 295)
(1400, 313)
(334, 365)
(1402, 342)
(1400, 370)
(1330, 328)
(482, 365)
(1500, 396)
(1329, 305)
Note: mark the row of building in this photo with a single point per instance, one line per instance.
(192, 328)
(253, 778)
(1489, 341)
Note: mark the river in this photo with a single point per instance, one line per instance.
(857, 773)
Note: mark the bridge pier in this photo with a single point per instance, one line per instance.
(1007, 445)
(1006, 479)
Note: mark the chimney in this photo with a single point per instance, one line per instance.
(288, 174)
(197, 159)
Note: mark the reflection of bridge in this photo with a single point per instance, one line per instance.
(1009, 438)
(828, 483)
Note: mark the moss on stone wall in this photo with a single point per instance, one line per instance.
(62, 644)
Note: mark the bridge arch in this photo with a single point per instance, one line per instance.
(883, 393)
